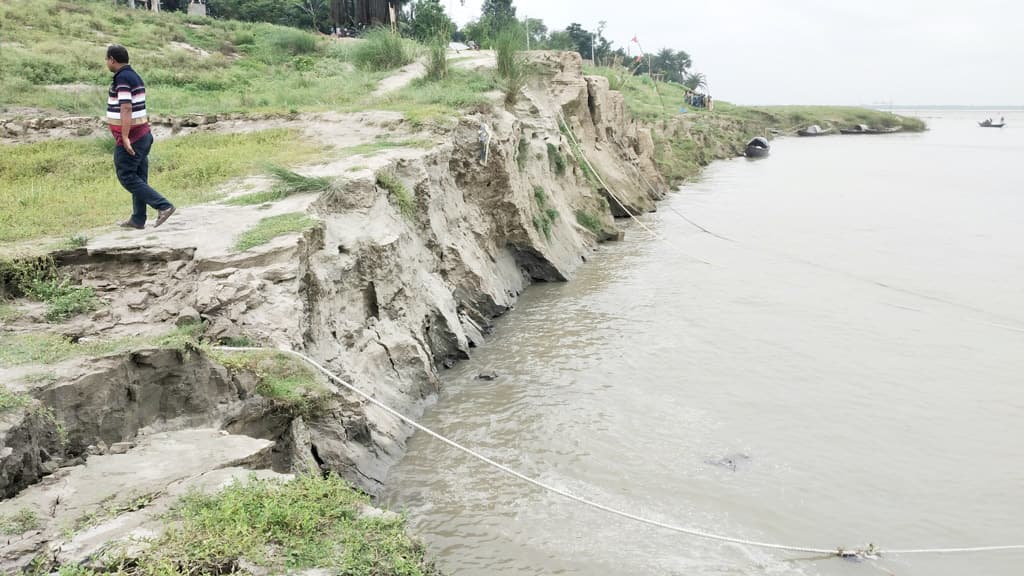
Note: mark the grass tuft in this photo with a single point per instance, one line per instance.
(9, 400)
(399, 193)
(589, 221)
(547, 216)
(437, 60)
(50, 348)
(19, 523)
(556, 159)
(382, 50)
(272, 227)
(513, 71)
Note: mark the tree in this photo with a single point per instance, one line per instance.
(316, 10)
(696, 81)
(499, 12)
(429, 21)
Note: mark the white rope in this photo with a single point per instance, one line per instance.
(868, 552)
(583, 157)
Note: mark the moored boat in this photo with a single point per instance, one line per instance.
(865, 129)
(814, 130)
(757, 148)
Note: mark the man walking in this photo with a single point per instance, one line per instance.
(126, 115)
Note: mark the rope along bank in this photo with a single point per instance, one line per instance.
(869, 552)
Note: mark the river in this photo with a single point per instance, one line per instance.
(856, 348)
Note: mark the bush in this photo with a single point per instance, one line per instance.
(381, 50)
(589, 221)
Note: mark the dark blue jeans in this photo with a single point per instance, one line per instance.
(133, 173)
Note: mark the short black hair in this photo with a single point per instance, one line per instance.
(118, 53)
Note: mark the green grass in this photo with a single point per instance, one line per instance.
(309, 522)
(19, 523)
(577, 153)
(65, 186)
(9, 400)
(249, 66)
(425, 101)
(63, 299)
(9, 312)
(381, 50)
(399, 193)
(272, 227)
(546, 216)
(288, 182)
(556, 159)
(281, 377)
(589, 221)
(50, 348)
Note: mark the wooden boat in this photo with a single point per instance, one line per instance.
(757, 148)
(814, 130)
(991, 124)
(865, 129)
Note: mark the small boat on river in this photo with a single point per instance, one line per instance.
(814, 130)
(757, 148)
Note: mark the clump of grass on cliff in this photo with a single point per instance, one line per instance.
(288, 182)
(53, 58)
(39, 279)
(589, 221)
(398, 192)
(308, 522)
(272, 227)
(281, 377)
(66, 186)
(546, 216)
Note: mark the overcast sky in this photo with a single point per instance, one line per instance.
(818, 51)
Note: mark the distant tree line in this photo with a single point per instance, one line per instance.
(426, 21)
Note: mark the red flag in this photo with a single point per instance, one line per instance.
(635, 40)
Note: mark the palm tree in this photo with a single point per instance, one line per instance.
(696, 81)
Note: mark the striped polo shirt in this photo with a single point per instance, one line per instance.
(126, 87)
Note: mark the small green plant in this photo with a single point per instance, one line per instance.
(437, 60)
(556, 159)
(63, 299)
(272, 227)
(578, 155)
(383, 50)
(401, 195)
(77, 241)
(589, 221)
(548, 215)
(19, 523)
